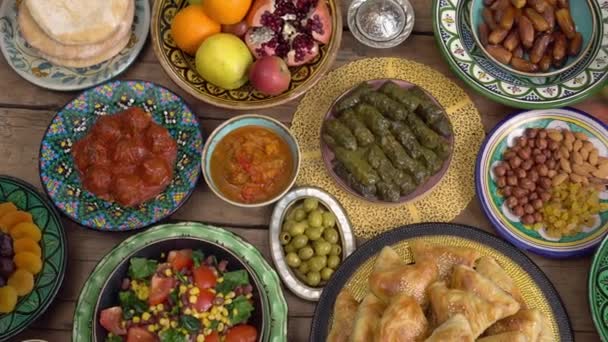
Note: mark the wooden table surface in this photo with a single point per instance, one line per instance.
(26, 111)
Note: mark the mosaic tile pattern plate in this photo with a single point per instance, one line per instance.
(60, 178)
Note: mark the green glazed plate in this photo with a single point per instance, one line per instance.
(54, 255)
(276, 307)
(598, 290)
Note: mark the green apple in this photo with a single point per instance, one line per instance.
(223, 60)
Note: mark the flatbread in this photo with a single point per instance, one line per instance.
(39, 40)
(75, 22)
(87, 62)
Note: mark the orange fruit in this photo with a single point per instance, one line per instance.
(22, 281)
(28, 261)
(27, 244)
(26, 230)
(6, 208)
(191, 26)
(226, 12)
(8, 299)
(13, 218)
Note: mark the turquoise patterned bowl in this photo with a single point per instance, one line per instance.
(54, 255)
(100, 289)
(597, 287)
(61, 180)
(28, 64)
(584, 19)
(493, 204)
(249, 120)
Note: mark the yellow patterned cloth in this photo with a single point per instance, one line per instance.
(447, 199)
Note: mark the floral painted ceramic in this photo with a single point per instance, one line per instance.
(62, 182)
(37, 70)
(598, 290)
(493, 204)
(54, 255)
(456, 41)
(274, 306)
(182, 70)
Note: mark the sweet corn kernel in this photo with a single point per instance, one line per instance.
(248, 296)
(207, 331)
(230, 295)
(182, 289)
(136, 319)
(211, 317)
(211, 290)
(200, 338)
(160, 307)
(152, 327)
(164, 322)
(192, 299)
(168, 272)
(195, 291)
(220, 280)
(228, 301)
(204, 314)
(206, 322)
(145, 316)
(220, 327)
(173, 324)
(235, 312)
(187, 311)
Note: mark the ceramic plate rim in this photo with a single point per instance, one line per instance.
(129, 229)
(505, 232)
(63, 241)
(591, 292)
(136, 50)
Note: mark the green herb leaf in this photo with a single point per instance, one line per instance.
(198, 257)
(128, 302)
(181, 278)
(174, 295)
(141, 268)
(113, 338)
(213, 325)
(190, 323)
(243, 310)
(172, 335)
(232, 280)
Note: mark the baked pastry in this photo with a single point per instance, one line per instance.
(445, 257)
(403, 321)
(512, 336)
(489, 268)
(345, 310)
(455, 329)
(367, 320)
(530, 322)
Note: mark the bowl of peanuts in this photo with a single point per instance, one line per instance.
(541, 178)
(534, 38)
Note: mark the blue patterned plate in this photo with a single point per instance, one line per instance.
(60, 178)
(37, 70)
(494, 204)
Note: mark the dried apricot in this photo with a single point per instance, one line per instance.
(6, 208)
(26, 229)
(8, 299)
(11, 219)
(27, 244)
(22, 281)
(28, 261)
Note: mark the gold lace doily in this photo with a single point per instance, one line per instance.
(447, 199)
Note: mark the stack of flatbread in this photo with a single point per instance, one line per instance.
(77, 33)
(450, 294)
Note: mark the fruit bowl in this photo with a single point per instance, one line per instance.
(181, 67)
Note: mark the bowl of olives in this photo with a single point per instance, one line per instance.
(310, 236)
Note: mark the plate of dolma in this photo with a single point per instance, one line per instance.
(439, 282)
(387, 141)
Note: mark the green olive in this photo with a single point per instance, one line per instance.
(298, 228)
(317, 263)
(289, 248)
(293, 260)
(333, 261)
(313, 278)
(315, 219)
(300, 241)
(288, 224)
(310, 204)
(290, 214)
(322, 247)
(285, 238)
(336, 250)
(331, 235)
(306, 253)
(304, 268)
(313, 233)
(299, 214)
(326, 273)
(329, 219)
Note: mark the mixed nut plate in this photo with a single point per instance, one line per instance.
(125, 155)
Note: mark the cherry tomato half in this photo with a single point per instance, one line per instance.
(180, 259)
(204, 278)
(242, 333)
(204, 301)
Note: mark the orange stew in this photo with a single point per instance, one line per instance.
(126, 157)
(251, 165)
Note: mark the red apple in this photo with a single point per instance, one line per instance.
(238, 29)
(270, 75)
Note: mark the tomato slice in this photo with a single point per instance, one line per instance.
(204, 301)
(139, 334)
(204, 278)
(213, 337)
(242, 333)
(160, 288)
(111, 319)
(180, 259)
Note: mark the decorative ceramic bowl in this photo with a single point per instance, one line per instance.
(101, 289)
(421, 190)
(508, 225)
(347, 239)
(249, 120)
(598, 290)
(182, 70)
(586, 24)
(455, 37)
(353, 274)
(28, 64)
(54, 255)
(60, 178)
